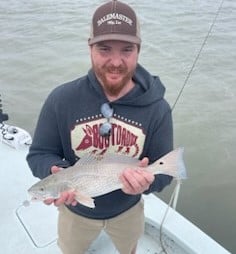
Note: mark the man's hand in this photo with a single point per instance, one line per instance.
(137, 181)
(66, 197)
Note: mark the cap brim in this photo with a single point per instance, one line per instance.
(115, 37)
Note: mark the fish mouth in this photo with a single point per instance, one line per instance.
(35, 197)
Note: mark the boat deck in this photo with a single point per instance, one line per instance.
(42, 238)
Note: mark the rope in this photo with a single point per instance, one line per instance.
(25, 203)
(198, 55)
(175, 194)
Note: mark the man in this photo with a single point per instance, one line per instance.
(118, 107)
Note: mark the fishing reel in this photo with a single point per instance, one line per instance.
(12, 135)
(15, 136)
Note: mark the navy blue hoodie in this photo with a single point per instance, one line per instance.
(68, 128)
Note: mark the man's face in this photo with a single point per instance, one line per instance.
(114, 63)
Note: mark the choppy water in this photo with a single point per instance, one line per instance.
(44, 43)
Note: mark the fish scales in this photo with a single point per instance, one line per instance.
(93, 176)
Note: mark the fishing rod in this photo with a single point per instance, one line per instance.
(198, 55)
(175, 193)
(3, 117)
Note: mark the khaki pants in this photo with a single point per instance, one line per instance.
(76, 233)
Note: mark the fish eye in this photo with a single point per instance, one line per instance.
(41, 189)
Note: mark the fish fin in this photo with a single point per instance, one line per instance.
(84, 200)
(170, 164)
(91, 159)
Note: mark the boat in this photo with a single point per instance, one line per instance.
(32, 227)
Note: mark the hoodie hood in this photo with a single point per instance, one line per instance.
(148, 88)
(153, 89)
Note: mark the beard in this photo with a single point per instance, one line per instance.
(116, 85)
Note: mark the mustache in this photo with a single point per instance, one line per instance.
(116, 69)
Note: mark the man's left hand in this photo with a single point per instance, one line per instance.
(136, 181)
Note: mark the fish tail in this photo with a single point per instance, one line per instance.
(170, 164)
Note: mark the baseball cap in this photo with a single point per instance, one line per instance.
(115, 20)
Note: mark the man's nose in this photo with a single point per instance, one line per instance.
(116, 58)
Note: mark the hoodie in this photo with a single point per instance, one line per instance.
(68, 128)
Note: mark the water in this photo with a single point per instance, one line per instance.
(44, 43)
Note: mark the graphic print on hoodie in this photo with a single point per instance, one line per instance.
(126, 137)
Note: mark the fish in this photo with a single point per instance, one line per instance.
(92, 176)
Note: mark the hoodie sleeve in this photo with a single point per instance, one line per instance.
(46, 149)
(161, 144)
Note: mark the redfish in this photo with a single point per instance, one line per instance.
(94, 176)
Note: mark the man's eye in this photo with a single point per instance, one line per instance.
(128, 49)
(103, 49)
